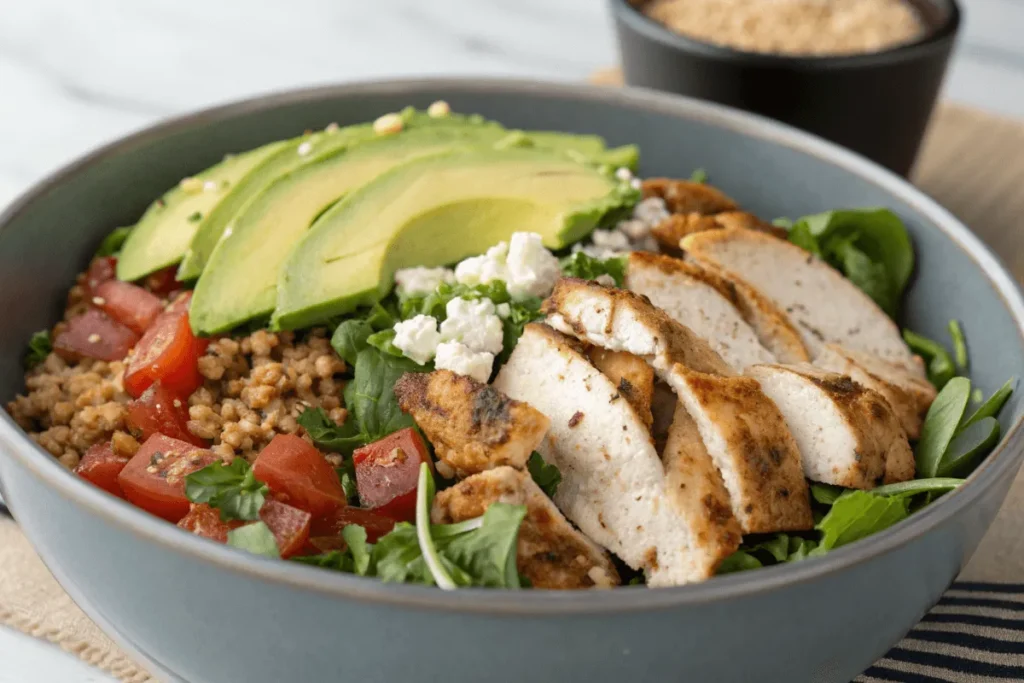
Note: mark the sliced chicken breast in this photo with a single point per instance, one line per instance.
(613, 482)
(673, 229)
(909, 396)
(472, 426)
(848, 435)
(824, 305)
(687, 196)
(550, 552)
(695, 298)
(631, 374)
(744, 432)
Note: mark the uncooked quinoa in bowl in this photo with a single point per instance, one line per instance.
(430, 349)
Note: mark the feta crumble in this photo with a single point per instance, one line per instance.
(461, 360)
(417, 338)
(418, 281)
(503, 310)
(526, 267)
(474, 324)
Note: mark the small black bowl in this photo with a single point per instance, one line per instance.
(877, 103)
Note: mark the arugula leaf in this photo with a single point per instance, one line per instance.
(940, 363)
(970, 445)
(360, 550)
(993, 405)
(585, 267)
(328, 434)
(916, 486)
(546, 476)
(398, 557)
(39, 347)
(336, 560)
(255, 538)
(826, 494)
(488, 554)
(424, 499)
(870, 246)
(113, 242)
(370, 395)
(232, 489)
(699, 175)
(940, 424)
(857, 514)
(959, 344)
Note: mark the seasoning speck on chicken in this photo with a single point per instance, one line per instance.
(472, 426)
(550, 552)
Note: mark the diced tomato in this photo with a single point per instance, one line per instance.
(203, 520)
(290, 526)
(159, 411)
(129, 305)
(325, 533)
(100, 270)
(101, 467)
(94, 335)
(299, 475)
(168, 352)
(154, 479)
(387, 472)
(162, 282)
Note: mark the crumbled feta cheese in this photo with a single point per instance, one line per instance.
(388, 124)
(610, 239)
(474, 324)
(417, 281)
(331, 127)
(461, 360)
(417, 338)
(624, 174)
(651, 210)
(635, 183)
(503, 310)
(532, 269)
(305, 148)
(478, 270)
(634, 229)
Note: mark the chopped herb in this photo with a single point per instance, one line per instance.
(940, 364)
(959, 345)
(546, 476)
(256, 538)
(232, 489)
(113, 242)
(585, 267)
(39, 347)
(940, 424)
(699, 176)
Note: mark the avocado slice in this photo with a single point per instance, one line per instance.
(437, 210)
(591, 148)
(240, 279)
(165, 230)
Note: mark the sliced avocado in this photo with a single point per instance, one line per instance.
(240, 280)
(590, 148)
(295, 154)
(165, 230)
(433, 211)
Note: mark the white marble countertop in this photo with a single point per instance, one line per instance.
(75, 73)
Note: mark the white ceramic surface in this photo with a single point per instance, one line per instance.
(24, 659)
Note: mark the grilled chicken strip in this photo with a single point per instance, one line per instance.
(613, 482)
(670, 231)
(472, 426)
(848, 435)
(744, 432)
(631, 374)
(824, 305)
(687, 196)
(550, 552)
(699, 300)
(909, 396)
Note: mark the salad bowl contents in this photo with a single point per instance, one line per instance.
(361, 394)
(434, 350)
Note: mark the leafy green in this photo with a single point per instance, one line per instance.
(774, 549)
(370, 395)
(424, 499)
(826, 494)
(739, 561)
(546, 476)
(328, 434)
(113, 242)
(232, 489)
(580, 265)
(487, 556)
(256, 538)
(384, 341)
(940, 364)
(347, 476)
(969, 447)
(870, 246)
(398, 558)
(350, 337)
(940, 424)
(993, 405)
(959, 344)
(434, 304)
(361, 551)
(699, 175)
(857, 514)
(39, 347)
(336, 560)
(916, 486)
(521, 313)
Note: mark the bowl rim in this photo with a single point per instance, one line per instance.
(1004, 459)
(640, 23)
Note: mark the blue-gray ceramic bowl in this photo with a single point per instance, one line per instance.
(200, 612)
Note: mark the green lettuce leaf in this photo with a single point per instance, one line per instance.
(255, 538)
(546, 476)
(580, 265)
(232, 489)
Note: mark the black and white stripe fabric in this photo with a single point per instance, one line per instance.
(974, 635)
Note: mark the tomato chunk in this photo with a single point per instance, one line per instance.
(325, 533)
(203, 520)
(100, 270)
(168, 352)
(100, 466)
(159, 411)
(154, 479)
(162, 282)
(299, 475)
(129, 305)
(387, 472)
(94, 335)
(290, 526)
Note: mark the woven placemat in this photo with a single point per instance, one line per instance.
(972, 162)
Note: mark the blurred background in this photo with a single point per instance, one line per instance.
(77, 73)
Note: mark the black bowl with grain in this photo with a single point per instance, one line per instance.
(873, 95)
